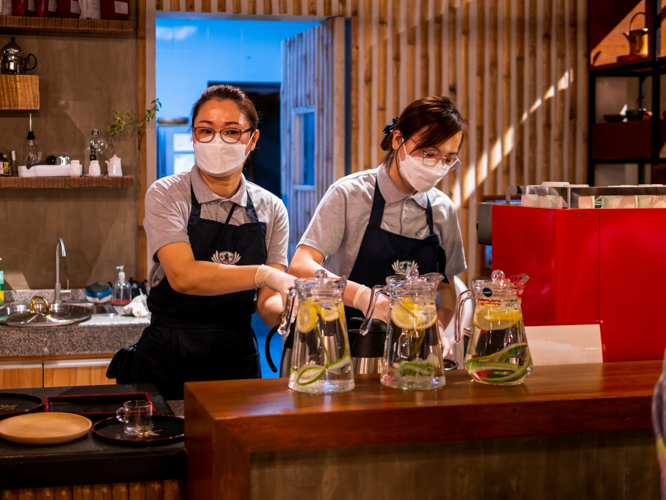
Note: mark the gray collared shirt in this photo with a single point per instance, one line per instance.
(339, 223)
(169, 204)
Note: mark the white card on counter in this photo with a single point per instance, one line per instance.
(564, 344)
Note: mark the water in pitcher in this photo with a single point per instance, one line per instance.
(497, 352)
(321, 360)
(413, 351)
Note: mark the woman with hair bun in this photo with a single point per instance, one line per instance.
(219, 246)
(376, 223)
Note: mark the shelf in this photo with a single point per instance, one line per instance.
(13, 24)
(19, 92)
(624, 140)
(638, 66)
(126, 181)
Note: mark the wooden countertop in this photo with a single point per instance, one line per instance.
(227, 421)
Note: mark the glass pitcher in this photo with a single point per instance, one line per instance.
(497, 352)
(321, 359)
(413, 352)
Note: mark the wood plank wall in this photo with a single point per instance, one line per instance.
(309, 77)
(515, 68)
(170, 489)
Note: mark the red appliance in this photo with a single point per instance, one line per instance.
(589, 266)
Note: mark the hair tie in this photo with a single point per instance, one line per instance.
(389, 128)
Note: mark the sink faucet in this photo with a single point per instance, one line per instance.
(60, 251)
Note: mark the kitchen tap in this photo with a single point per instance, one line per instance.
(60, 252)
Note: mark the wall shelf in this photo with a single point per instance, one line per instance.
(19, 92)
(16, 24)
(126, 181)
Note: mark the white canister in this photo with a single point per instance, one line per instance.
(75, 168)
(93, 169)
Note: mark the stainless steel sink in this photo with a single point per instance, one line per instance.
(105, 308)
(39, 313)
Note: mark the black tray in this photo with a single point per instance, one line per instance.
(18, 403)
(95, 406)
(166, 429)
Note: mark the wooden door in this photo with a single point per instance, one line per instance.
(21, 374)
(312, 119)
(72, 372)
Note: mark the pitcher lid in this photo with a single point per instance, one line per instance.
(321, 281)
(12, 48)
(499, 286)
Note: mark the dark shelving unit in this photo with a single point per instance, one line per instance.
(636, 141)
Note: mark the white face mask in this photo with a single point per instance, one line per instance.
(219, 159)
(419, 176)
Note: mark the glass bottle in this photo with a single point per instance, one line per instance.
(96, 149)
(31, 154)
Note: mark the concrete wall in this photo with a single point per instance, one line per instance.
(83, 79)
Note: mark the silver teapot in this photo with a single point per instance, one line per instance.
(12, 61)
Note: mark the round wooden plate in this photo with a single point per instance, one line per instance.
(44, 428)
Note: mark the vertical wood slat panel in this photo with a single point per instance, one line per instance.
(540, 98)
(423, 62)
(397, 35)
(570, 109)
(520, 90)
(524, 119)
(382, 76)
(549, 91)
(490, 119)
(532, 96)
(170, 489)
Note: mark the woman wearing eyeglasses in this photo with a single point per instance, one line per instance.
(218, 242)
(376, 223)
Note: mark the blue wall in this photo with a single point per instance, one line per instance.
(190, 53)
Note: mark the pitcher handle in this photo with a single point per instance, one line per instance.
(267, 348)
(462, 298)
(285, 321)
(26, 62)
(365, 326)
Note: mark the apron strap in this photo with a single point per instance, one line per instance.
(249, 209)
(377, 212)
(251, 212)
(429, 216)
(226, 225)
(195, 215)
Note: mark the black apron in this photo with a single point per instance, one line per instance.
(384, 253)
(194, 338)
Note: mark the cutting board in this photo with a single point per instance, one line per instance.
(44, 428)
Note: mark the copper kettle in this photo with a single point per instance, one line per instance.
(638, 43)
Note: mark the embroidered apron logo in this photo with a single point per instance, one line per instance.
(227, 258)
(400, 266)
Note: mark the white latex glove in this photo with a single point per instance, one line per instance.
(362, 302)
(274, 279)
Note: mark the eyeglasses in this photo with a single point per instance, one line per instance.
(230, 135)
(432, 157)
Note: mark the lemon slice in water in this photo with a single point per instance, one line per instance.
(329, 313)
(496, 317)
(306, 318)
(412, 316)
